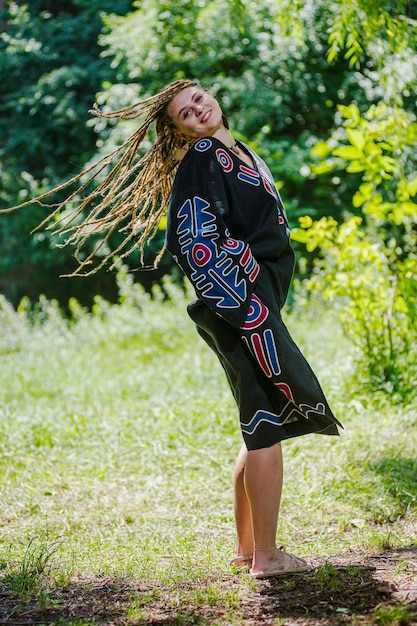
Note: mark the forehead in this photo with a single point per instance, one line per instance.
(182, 98)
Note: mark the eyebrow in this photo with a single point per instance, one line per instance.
(192, 100)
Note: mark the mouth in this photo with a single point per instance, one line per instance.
(205, 117)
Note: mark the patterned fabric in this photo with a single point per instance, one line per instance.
(228, 231)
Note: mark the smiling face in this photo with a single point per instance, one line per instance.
(195, 113)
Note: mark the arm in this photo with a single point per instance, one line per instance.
(221, 268)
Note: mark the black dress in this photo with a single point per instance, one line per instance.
(228, 232)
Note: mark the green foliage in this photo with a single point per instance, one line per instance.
(49, 57)
(363, 28)
(381, 146)
(368, 269)
(271, 74)
(51, 69)
(259, 72)
(373, 291)
(274, 83)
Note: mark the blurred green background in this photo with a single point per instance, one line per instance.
(280, 69)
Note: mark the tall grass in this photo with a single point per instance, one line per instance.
(118, 436)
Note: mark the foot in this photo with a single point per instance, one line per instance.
(242, 561)
(278, 562)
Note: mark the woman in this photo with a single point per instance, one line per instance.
(228, 231)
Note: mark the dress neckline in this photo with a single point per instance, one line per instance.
(244, 149)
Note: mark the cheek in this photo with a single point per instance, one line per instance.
(213, 102)
(217, 110)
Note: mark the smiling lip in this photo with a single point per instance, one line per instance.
(205, 117)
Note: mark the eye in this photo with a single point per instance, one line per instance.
(199, 97)
(186, 114)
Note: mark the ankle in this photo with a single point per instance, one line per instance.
(265, 549)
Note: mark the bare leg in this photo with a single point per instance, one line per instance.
(258, 487)
(257, 491)
(263, 483)
(242, 508)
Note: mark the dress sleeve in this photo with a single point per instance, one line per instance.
(221, 268)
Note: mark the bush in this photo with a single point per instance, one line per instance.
(374, 292)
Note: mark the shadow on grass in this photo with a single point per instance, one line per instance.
(352, 589)
(359, 589)
(94, 601)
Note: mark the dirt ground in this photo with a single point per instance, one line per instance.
(351, 590)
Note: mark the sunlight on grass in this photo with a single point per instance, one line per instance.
(118, 436)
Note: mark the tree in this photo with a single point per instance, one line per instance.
(367, 266)
(281, 72)
(51, 68)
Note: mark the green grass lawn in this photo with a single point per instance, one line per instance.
(118, 436)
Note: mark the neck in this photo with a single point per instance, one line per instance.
(225, 136)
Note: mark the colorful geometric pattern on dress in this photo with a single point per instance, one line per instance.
(225, 160)
(261, 344)
(260, 341)
(203, 145)
(246, 174)
(268, 182)
(269, 185)
(257, 313)
(219, 270)
(249, 175)
(286, 414)
(285, 390)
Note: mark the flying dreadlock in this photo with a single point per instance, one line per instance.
(133, 195)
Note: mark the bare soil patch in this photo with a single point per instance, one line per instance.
(350, 592)
(348, 589)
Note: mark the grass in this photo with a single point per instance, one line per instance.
(392, 616)
(118, 437)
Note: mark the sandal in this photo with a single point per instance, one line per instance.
(295, 566)
(243, 561)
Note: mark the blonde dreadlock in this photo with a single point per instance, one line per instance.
(134, 194)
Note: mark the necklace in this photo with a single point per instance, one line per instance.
(235, 148)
